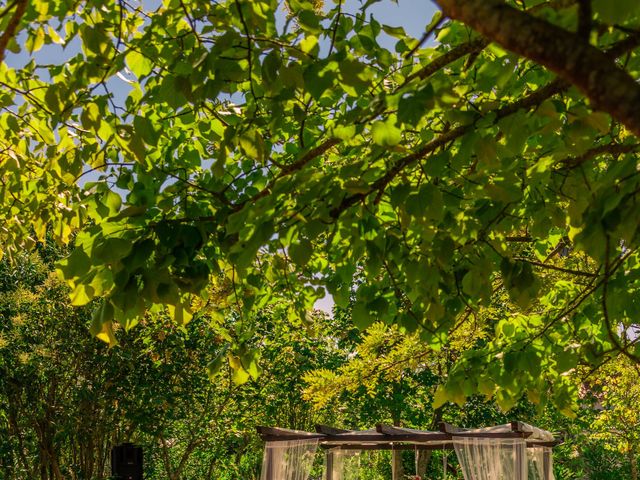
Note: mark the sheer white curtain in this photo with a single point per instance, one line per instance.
(540, 460)
(291, 460)
(492, 459)
(548, 464)
(342, 464)
(535, 462)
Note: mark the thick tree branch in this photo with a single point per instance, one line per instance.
(9, 33)
(608, 87)
(445, 59)
(609, 149)
(291, 168)
(526, 103)
(584, 19)
(307, 157)
(472, 47)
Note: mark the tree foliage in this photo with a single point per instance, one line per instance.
(618, 424)
(66, 399)
(288, 156)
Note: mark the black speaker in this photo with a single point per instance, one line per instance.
(126, 462)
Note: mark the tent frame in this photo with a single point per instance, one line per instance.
(388, 437)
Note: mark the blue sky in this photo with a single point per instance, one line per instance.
(413, 15)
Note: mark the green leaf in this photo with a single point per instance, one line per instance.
(252, 145)
(362, 317)
(520, 281)
(139, 64)
(102, 282)
(250, 360)
(344, 132)
(81, 295)
(214, 366)
(270, 66)
(35, 42)
(473, 283)
(386, 134)
(102, 325)
(309, 21)
(616, 12)
(309, 44)
(112, 201)
(144, 127)
(101, 315)
(300, 252)
(397, 32)
(413, 106)
(238, 373)
(440, 397)
(112, 249)
(76, 265)
(181, 315)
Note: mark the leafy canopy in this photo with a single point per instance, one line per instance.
(283, 156)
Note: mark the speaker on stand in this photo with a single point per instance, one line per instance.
(126, 462)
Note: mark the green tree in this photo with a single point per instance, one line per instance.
(298, 160)
(618, 423)
(66, 398)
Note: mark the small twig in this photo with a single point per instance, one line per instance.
(8, 8)
(610, 149)
(335, 27)
(190, 21)
(249, 51)
(104, 165)
(605, 311)
(556, 268)
(425, 37)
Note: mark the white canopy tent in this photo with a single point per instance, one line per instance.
(514, 451)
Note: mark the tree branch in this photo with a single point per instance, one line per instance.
(596, 74)
(9, 33)
(548, 266)
(525, 102)
(584, 19)
(445, 59)
(472, 47)
(610, 148)
(290, 168)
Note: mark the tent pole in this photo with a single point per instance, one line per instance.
(520, 450)
(329, 466)
(271, 467)
(546, 456)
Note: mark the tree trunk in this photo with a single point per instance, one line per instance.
(165, 458)
(14, 428)
(211, 469)
(633, 460)
(193, 444)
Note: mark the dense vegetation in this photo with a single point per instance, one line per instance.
(66, 398)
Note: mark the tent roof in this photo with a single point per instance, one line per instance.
(387, 436)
